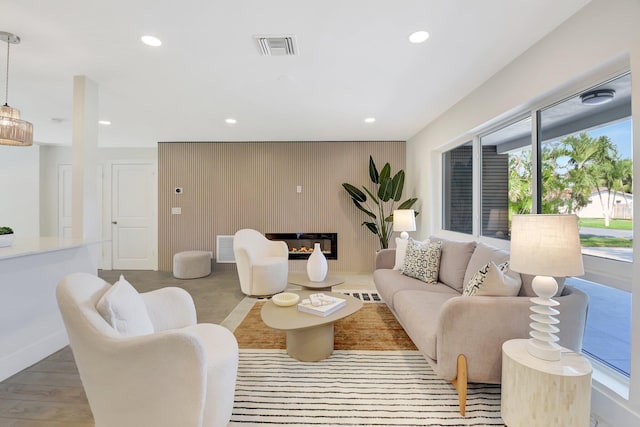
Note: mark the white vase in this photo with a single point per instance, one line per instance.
(317, 265)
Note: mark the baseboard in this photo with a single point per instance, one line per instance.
(609, 410)
(27, 356)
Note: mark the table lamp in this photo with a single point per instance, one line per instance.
(404, 220)
(547, 246)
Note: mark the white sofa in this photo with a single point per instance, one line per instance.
(445, 325)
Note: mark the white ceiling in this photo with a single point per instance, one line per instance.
(355, 61)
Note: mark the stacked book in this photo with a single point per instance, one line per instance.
(321, 304)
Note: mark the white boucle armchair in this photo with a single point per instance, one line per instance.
(263, 264)
(181, 374)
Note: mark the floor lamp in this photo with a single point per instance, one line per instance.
(547, 246)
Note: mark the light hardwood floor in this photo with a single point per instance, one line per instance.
(50, 394)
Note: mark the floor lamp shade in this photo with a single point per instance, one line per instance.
(404, 220)
(547, 246)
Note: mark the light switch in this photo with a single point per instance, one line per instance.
(176, 211)
(299, 189)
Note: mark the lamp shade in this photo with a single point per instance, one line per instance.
(546, 245)
(404, 220)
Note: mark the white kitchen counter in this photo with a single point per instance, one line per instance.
(31, 327)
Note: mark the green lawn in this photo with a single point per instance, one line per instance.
(614, 224)
(605, 242)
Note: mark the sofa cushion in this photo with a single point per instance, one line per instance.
(422, 261)
(419, 313)
(389, 282)
(453, 262)
(123, 308)
(494, 280)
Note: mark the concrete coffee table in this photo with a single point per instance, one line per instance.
(309, 337)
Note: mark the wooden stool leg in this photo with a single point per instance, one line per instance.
(460, 382)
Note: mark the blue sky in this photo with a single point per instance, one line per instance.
(620, 134)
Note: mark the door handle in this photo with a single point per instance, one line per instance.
(114, 222)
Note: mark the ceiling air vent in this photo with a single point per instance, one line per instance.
(277, 45)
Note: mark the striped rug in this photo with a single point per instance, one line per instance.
(354, 388)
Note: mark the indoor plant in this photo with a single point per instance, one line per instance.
(385, 192)
(6, 236)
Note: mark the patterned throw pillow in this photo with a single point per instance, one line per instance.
(422, 260)
(493, 280)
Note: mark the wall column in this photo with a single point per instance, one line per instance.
(84, 223)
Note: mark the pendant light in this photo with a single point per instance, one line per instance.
(13, 131)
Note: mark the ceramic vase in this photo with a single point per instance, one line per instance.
(317, 265)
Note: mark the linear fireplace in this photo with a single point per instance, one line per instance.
(301, 244)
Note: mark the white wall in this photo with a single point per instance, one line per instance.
(598, 42)
(19, 190)
(51, 156)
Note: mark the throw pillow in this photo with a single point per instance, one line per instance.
(422, 260)
(401, 252)
(494, 280)
(123, 308)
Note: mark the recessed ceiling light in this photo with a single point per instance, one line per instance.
(370, 120)
(418, 37)
(104, 122)
(230, 121)
(151, 41)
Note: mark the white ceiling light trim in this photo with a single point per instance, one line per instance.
(151, 41)
(419, 36)
(276, 45)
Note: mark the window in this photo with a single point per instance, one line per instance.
(582, 164)
(587, 167)
(506, 177)
(458, 190)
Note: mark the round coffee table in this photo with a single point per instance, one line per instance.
(301, 279)
(309, 336)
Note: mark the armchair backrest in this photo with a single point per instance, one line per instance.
(250, 245)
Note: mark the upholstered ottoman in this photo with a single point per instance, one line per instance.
(191, 264)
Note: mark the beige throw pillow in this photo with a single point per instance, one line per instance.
(494, 280)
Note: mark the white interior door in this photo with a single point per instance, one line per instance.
(64, 201)
(133, 218)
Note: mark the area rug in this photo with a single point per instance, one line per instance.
(354, 388)
(375, 377)
(373, 327)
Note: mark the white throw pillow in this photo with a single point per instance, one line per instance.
(494, 280)
(123, 308)
(401, 251)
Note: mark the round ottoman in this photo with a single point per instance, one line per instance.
(191, 264)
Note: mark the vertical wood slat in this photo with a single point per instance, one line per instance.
(229, 186)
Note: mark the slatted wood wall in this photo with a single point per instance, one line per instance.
(229, 186)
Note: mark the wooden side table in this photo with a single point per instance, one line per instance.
(543, 393)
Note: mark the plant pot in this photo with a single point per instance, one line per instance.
(6, 240)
